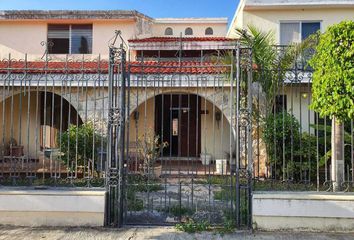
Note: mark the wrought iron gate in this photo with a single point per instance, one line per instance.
(179, 139)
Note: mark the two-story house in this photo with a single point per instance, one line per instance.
(292, 21)
(54, 74)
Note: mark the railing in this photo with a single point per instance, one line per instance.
(292, 143)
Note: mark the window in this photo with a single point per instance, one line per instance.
(209, 31)
(280, 103)
(70, 39)
(188, 31)
(168, 31)
(295, 32)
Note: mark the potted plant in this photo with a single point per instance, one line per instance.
(150, 148)
(205, 157)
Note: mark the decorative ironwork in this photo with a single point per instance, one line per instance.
(114, 117)
(113, 177)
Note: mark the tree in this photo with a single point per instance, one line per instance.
(271, 63)
(333, 87)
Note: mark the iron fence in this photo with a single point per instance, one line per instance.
(293, 143)
(150, 133)
(170, 140)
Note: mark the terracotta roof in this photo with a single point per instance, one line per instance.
(148, 67)
(184, 39)
(187, 67)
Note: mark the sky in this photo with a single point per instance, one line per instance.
(152, 8)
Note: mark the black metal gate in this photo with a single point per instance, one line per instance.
(179, 139)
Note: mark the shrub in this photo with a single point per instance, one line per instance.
(284, 141)
(78, 143)
(191, 226)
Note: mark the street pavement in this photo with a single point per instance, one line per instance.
(165, 233)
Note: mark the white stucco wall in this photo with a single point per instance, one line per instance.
(298, 101)
(269, 19)
(219, 29)
(52, 207)
(303, 211)
(20, 37)
(215, 137)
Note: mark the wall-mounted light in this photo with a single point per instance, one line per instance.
(304, 95)
(136, 115)
(218, 117)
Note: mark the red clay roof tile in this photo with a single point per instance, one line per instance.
(147, 67)
(184, 39)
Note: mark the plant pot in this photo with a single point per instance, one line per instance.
(221, 166)
(16, 151)
(158, 171)
(206, 158)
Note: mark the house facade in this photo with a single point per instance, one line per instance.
(55, 74)
(292, 22)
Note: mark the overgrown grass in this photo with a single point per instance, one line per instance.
(139, 183)
(191, 226)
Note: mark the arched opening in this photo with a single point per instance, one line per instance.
(188, 31)
(33, 120)
(209, 31)
(168, 31)
(189, 123)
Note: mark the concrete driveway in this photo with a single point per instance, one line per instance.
(165, 233)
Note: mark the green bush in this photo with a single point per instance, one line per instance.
(79, 143)
(285, 141)
(191, 226)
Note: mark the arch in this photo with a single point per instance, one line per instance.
(209, 31)
(188, 31)
(142, 117)
(168, 31)
(5, 95)
(34, 118)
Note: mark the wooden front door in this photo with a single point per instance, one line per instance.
(177, 121)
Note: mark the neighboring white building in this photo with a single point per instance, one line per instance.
(291, 21)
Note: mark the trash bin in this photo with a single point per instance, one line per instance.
(221, 166)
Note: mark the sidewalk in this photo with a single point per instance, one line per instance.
(165, 233)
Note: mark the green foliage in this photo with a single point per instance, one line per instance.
(139, 183)
(284, 141)
(333, 78)
(278, 129)
(271, 64)
(326, 131)
(191, 226)
(150, 148)
(229, 226)
(177, 210)
(77, 143)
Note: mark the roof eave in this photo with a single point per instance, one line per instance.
(221, 20)
(70, 14)
(310, 5)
